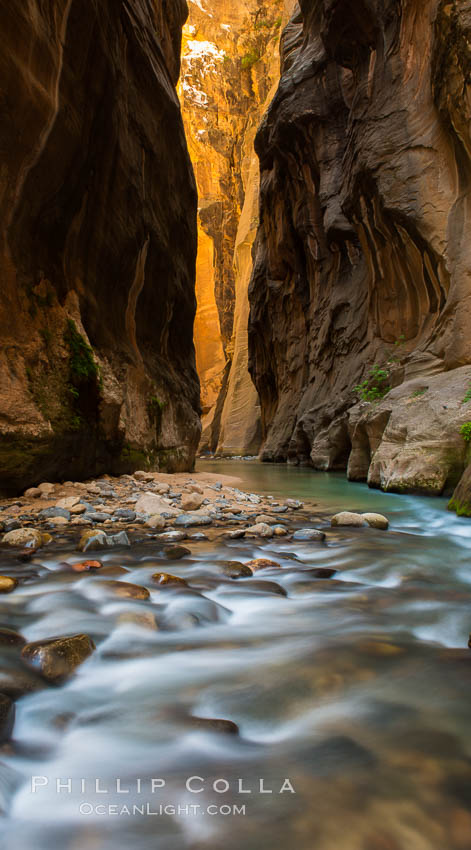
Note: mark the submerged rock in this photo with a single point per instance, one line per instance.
(7, 717)
(235, 569)
(226, 727)
(168, 580)
(262, 564)
(8, 637)
(92, 539)
(376, 521)
(348, 518)
(122, 589)
(174, 553)
(56, 658)
(260, 529)
(23, 537)
(7, 584)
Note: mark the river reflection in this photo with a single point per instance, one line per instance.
(354, 688)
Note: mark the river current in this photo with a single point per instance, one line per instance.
(351, 694)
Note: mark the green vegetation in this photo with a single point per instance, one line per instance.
(418, 393)
(250, 59)
(467, 396)
(84, 380)
(82, 365)
(376, 385)
(465, 432)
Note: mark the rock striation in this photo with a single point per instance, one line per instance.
(97, 242)
(230, 69)
(360, 312)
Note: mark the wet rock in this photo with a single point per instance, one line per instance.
(348, 518)
(262, 564)
(125, 514)
(191, 501)
(96, 516)
(294, 504)
(23, 537)
(86, 566)
(144, 619)
(46, 538)
(238, 534)
(198, 536)
(122, 589)
(260, 530)
(113, 570)
(76, 510)
(46, 488)
(235, 569)
(280, 531)
(174, 553)
(7, 584)
(18, 683)
(7, 717)
(58, 657)
(322, 572)
(10, 638)
(92, 539)
(68, 503)
(226, 727)
(376, 521)
(172, 536)
(156, 521)
(309, 534)
(260, 586)
(168, 580)
(50, 513)
(58, 521)
(263, 518)
(279, 509)
(120, 539)
(189, 520)
(141, 475)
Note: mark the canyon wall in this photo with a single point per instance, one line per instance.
(230, 67)
(98, 242)
(360, 342)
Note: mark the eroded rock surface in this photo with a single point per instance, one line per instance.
(97, 242)
(363, 256)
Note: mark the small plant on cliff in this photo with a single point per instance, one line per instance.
(250, 59)
(467, 396)
(84, 380)
(82, 365)
(376, 385)
(465, 432)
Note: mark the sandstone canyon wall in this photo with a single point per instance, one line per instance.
(230, 67)
(98, 241)
(363, 256)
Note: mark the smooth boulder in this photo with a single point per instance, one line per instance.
(58, 657)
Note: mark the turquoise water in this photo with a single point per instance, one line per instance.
(354, 690)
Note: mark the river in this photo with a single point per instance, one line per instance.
(351, 695)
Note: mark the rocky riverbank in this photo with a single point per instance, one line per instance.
(162, 515)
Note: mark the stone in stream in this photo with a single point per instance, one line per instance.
(17, 683)
(238, 534)
(309, 534)
(92, 539)
(7, 717)
(226, 727)
(68, 503)
(235, 569)
(119, 539)
(7, 584)
(174, 553)
(260, 586)
(30, 537)
(172, 536)
(348, 518)
(189, 520)
(279, 509)
(151, 504)
(86, 566)
(294, 504)
(260, 529)
(125, 514)
(263, 518)
(144, 619)
(56, 658)
(279, 531)
(377, 521)
(156, 521)
(122, 589)
(262, 564)
(32, 493)
(198, 536)
(168, 580)
(57, 521)
(322, 572)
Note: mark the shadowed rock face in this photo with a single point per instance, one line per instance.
(363, 254)
(97, 241)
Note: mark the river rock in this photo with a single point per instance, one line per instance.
(309, 534)
(144, 619)
(50, 513)
(348, 518)
(122, 589)
(172, 536)
(119, 539)
(295, 504)
(30, 537)
(59, 656)
(7, 584)
(151, 504)
(260, 530)
(377, 521)
(189, 520)
(238, 534)
(7, 717)
(191, 501)
(86, 566)
(155, 521)
(125, 514)
(46, 488)
(226, 727)
(235, 569)
(78, 509)
(141, 475)
(168, 580)
(279, 531)
(92, 539)
(68, 503)
(10, 638)
(58, 521)
(32, 493)
(263, 518)
(175, 553)
(17, 683)
(262, 564)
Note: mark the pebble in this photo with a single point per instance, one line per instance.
(279, 531)
(58, 657)
(155, 521)
(50, 513)
(174, 553)
(260, 530)
(295, 504)
(58, 521)
(191, 501)
(68, 503)
(238, 534)
(86, 566)
(125, 514)
(122, 589)
(235, 569)
(308, 534)
(188, 520)
(32, 493)
(172, 536)
(120, 539)
(17, 683)
(151, 504)
(92, 539)
(348, 518)
(8, 637)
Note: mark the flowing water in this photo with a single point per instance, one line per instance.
(351, 695)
